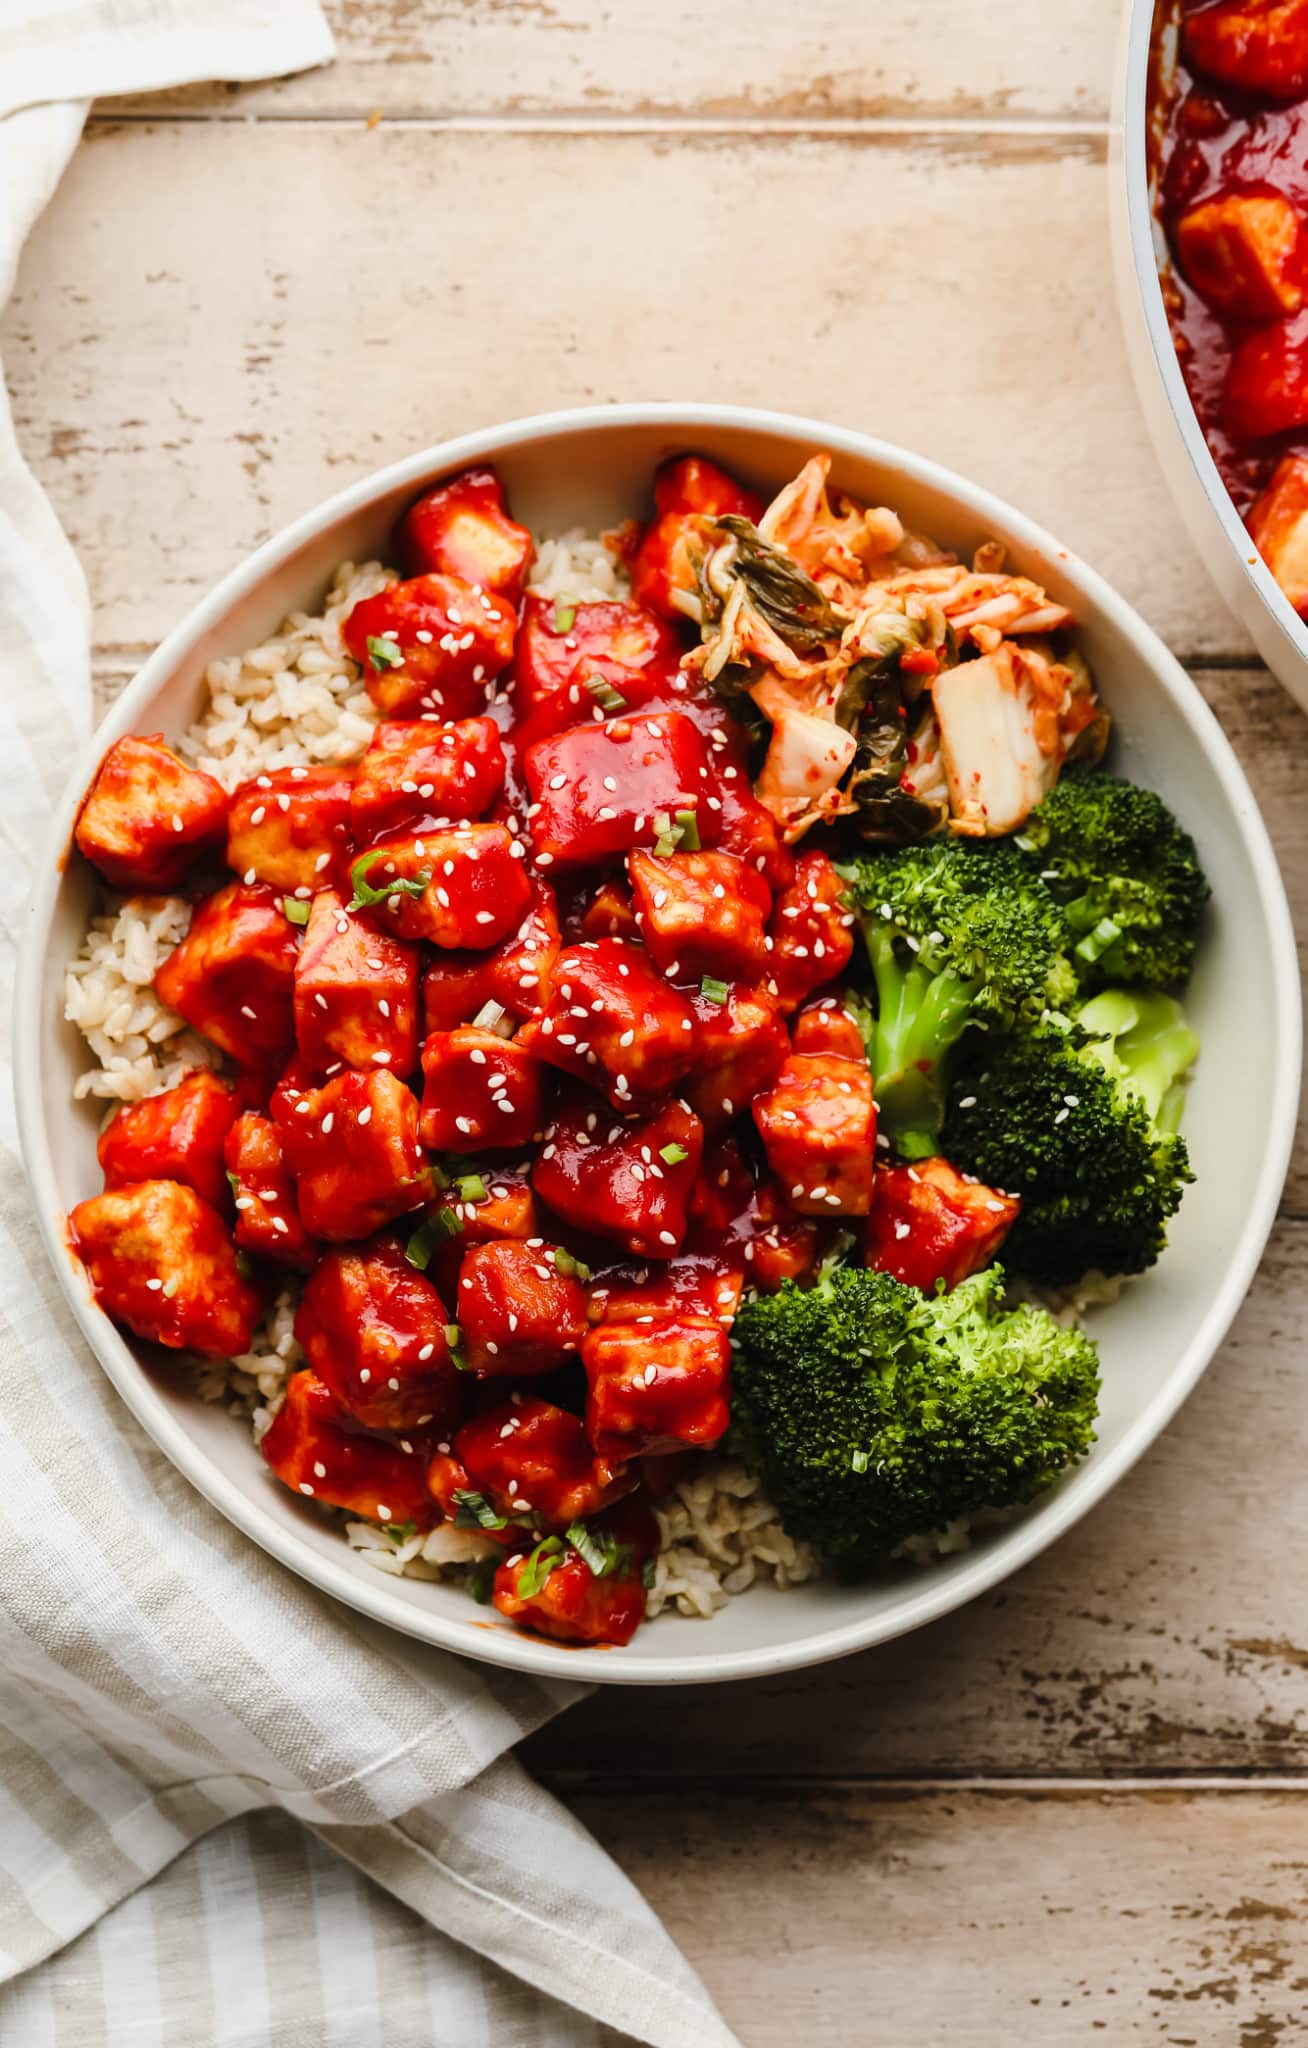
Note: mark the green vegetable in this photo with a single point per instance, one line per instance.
(687, 823)
(875, 1413)
(780, 591)
(295, 910)
(1079, 1117)
(606, 696)
(672, 1155)
(600, 1550)
(470, 1187)
(1127, 876)
(548, 1553)
(565, 616)
(454, 1344)
(383, 654)
(431, 1232)
(713, 990)
(958, 933)
(481, 1579)
(234, 1182)
(564, 1262)
(400, 1532)
(365, 895)
(474, 1511)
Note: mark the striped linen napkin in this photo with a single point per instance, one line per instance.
(232, 1815)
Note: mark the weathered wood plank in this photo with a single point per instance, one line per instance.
(186, 388)
(961, 1919)
(742, 59)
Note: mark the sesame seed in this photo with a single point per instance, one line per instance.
(365, 1113)
(305, 1487)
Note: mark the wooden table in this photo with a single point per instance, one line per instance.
(1074, 1811)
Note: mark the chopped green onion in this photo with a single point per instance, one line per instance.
(860, 1460)
(474, 1511)
(438, 1173)
(672, 1155)
(488, 1016)
(428, 1235)
(454, 1342)
(565, 1263)
(688, 824)
(481, 1579)
(599, 1549)
(365, 895)
(713, 990)
(539, 1565)
(295, 910)
(384, 654)
(565, 616)
(606, 696)
(471, 1187)
(648, 1574)
(234, 1182)
(400, 1532)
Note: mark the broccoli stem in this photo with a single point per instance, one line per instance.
(1143, 1039)
(920, 1017)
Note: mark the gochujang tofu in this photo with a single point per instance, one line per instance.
(414, 770)
(657, 1385)
(1267, 382)
(930, 1224)
(811, 931)
(818, 1123)
(267, 1214)
(576, 663)
(520, 1307)
(1259, 46)
(1244, 252)
(463, 528)
(494, 1202)
(356, 992)
(627, 1181)
(701, 913)
(479, 1091)
(827, 1026)
(529, 1458)
(375, 1331)
(231, 977)
(1278, 527)
(430, 647)
(290, 826)
(148, 818)
(458, 886)
(738, 1213)
(177, 1135)
(316, 1448)
(612, 1020)
(599, 790)
(595, 1596)
(353, 1148)
(740, 1044)
(160, 1259)
(513, 974)
(696, 1283)
(610, 914)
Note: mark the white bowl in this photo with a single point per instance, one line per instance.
(1202, 499)
(594, 467)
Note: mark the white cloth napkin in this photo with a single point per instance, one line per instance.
(162, 1681)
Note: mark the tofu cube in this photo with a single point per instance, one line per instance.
(740, 1045)
(626, 1181)
(462, 886)
(599, 790)
(827, 1026)
(356, 992)
(811, 931)
(569, 1603)
(353, 1149)
(611, 1020)
(514, 974)
(233, 974)
(430, 647)
(1267, 381)
(1244, 253)
(656, 1386)
(161, 1261)
(290, 826)
(480, 1092)
(374, 1330)
(519, 1310)
(531, 1459)
(463, 528)
(578, 663)
(930, 1224)
(177, 1135)
(818, 1123)
(267, 1215)
(315, 1448)
(148, 818)
(1259, 46)
(1278, 527)
(701, 913)
(414, 771)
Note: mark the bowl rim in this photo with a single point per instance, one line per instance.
(1136, 221)
(1006, 1551)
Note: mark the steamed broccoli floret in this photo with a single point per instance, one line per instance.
(875, 1413)
(1079, 1117)
(958, 933)
(1126, 874)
